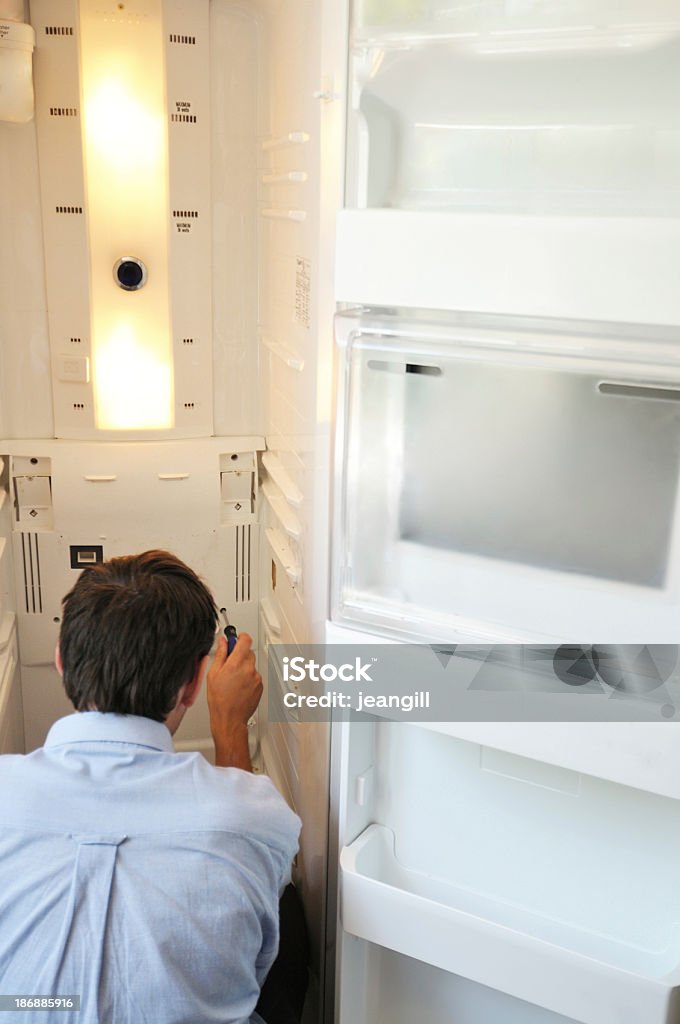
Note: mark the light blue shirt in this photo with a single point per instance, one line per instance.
(145, 881)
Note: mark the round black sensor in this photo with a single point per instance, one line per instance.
(129, 273)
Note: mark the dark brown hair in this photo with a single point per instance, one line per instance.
(133, 632)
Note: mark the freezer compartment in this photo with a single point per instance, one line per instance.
(507, 479)
(516, 106)
(546, 885)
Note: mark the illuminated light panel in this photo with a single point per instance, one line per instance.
(125, 151)
(134, 384)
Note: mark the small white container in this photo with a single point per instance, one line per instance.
(17, 42)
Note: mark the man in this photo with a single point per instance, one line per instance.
(144, 881)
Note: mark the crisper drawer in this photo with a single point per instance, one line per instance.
(507, 479)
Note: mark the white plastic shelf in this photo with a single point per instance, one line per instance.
(583, 975)
(548, 266)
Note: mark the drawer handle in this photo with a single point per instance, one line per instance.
(649, 391)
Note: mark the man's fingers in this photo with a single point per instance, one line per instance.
(242, 647)
(220, 655)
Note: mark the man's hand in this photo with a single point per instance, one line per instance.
(234, 691)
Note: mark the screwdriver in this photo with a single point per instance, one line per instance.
(229, 632)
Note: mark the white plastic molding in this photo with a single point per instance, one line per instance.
(580, 974)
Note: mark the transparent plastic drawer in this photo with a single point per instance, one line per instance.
(507, 479)
(529, 106)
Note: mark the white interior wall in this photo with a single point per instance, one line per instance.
(303, 48)
(26, 392)
(235, 96)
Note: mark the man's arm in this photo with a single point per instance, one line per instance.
(234, 691)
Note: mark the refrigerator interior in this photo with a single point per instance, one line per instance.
(255, 178)
(475, 128)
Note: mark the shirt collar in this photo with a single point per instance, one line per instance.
(108, 727)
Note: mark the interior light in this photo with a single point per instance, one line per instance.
(133, 382)
(125, 149)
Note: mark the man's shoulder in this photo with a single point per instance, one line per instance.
(249, 804)
(166, 792)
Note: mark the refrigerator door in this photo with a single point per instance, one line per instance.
(507, 459)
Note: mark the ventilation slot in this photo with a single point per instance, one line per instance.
(187, 341)
(189, 405)
(242, 564)
(78, 406)
(63, 112)
(186, 214)
(31, 565)
(58, 30)
(68, 209)
(183, 118)
(183, 40)
(76, 341)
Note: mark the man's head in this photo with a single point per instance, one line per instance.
(134, 632)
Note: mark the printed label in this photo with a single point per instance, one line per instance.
(303, 288)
